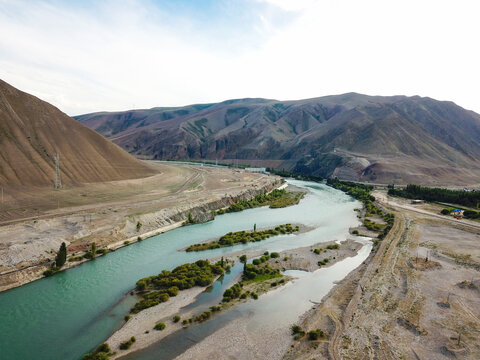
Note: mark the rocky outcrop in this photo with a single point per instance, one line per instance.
(199, 212)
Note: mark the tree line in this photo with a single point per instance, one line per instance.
(460, 197)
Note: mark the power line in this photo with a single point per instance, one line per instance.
(58, 180)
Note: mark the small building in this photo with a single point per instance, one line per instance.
(457, 213)
(257, 170)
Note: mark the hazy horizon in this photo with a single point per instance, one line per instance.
(86, 56)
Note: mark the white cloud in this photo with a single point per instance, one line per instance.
(136, 55)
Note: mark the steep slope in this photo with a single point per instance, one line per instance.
(354, 136)
(33, 131)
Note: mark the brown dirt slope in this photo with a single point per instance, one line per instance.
(32, 131)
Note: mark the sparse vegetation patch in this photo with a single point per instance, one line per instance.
(159, 288)
(243, 237)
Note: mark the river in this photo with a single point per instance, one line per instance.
(68, 314)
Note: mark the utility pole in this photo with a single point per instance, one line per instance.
(58, 181)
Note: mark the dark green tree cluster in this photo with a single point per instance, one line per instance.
(460, 197)
(290, 198)
(471, 214)
(203, 316)
(323, 262)
(361, 192)
(243, 237)
(297, 332)
(61, 257)
(262, 199)
(127, 344)
(261, 259)
(102, 352)
(389, 219)
(259, 273)
(168, 283)
(93, 252)
(315, 334)
(232, 292)
(295, 175)
(60, 260)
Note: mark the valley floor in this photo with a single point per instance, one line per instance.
(34, 222)
(417, 297)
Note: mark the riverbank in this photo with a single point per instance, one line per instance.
(27, 248)
(303, 258)
(141, 325)
(267, 341)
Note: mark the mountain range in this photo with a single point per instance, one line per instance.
(394, 139)
(32, 132)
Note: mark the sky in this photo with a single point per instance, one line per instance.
(87, 56)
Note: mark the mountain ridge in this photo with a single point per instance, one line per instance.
(359, 137)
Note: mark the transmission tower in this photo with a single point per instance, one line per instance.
(58, 180)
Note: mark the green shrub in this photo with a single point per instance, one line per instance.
(160, 326)
(471, 214)
(173, 291)
(297, 332)
(97, 356)
(100, 353)
(127, 317)
(203, 316)
(48, 272)
(315, 334)
(355, 232)
(232, 292)
(274, 255)
(127, 344)
(176, 318)
(254, 295)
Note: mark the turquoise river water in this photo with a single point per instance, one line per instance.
(65, 316)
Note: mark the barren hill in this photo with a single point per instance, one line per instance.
(368, 138)
(33, 131)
